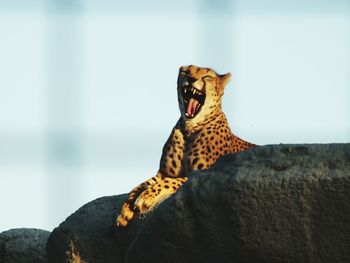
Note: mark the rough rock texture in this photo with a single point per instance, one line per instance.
(278, 203)
(271, 204)
(87, 235)
(25, 245)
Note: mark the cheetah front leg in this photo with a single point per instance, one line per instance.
(146, 196)
(127, 211)
(157, 193)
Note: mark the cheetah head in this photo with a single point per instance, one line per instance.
(199, 92)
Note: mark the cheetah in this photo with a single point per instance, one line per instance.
(199, 138)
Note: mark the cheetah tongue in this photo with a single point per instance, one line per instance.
(191, 107)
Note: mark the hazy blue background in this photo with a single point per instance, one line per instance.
(88, 88)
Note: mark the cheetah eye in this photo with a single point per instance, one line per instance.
(208, 78)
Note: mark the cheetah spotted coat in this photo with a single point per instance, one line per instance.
(199, 138)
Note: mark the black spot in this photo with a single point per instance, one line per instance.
(195, 160)
(171, 156)
(166, 186)
(173, 163)
(208, 149)
(200, 166)
(172, 171)
(174, 188)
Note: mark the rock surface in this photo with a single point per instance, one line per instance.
(87, 235)
(23, 245)
(277, 203)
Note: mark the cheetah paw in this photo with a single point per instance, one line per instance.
(125, 216)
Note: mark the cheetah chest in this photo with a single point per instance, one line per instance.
(203, 149)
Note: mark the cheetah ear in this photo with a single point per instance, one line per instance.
(224, 79)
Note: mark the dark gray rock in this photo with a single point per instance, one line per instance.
(285, 203)
(87, 235)
(25, 245)
(278, 203)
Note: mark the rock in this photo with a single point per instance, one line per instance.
(285, 203)
(87, 235)
(276, 203)
(25, 245)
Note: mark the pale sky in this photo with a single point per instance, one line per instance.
(88, 92)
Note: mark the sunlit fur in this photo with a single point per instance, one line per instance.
(195, 143)
(208, 81)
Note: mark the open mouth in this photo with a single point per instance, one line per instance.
(193, 100)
